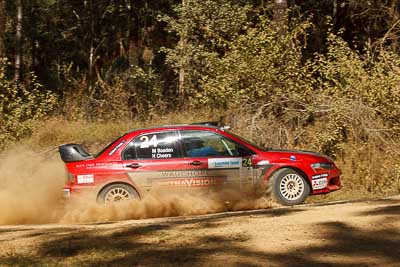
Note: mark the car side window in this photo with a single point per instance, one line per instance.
(209, 144)
(162, 145)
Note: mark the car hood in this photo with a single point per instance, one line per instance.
(295, 155)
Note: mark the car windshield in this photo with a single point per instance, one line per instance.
(248, 141)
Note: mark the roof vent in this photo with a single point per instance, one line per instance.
(225, 128)
(207, 123)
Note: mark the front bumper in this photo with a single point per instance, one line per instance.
(333, 182)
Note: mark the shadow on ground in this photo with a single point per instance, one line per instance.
(153, 245)
(388, 210)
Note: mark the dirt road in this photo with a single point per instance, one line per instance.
(364, 233)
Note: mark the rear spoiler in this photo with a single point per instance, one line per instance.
(73, 152)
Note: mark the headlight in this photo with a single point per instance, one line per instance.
(322, 166)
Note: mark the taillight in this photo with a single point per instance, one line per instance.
(70, 178)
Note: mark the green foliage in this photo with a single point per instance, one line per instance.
(260, 65)
(212, 22)
(20, 106)
(205, 30)
(371, 79)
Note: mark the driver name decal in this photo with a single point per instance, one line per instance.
(161, 153)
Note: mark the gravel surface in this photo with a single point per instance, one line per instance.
(358, 233)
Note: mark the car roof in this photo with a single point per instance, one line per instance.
(177, 126)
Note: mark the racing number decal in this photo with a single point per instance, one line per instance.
(146, 142)
(246, 162)
(156, 146)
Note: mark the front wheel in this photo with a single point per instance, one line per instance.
(117, 192)
(288, 187)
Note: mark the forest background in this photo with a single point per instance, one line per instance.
(316, 75)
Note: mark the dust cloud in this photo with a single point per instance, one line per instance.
(31, 193)
(30, 188)
(164, 204)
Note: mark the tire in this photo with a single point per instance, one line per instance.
(288, 187)
(117, 192)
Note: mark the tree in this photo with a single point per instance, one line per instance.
(183, 65)
(280, 16)
(2, 27)
(33, 32)
(91, 57)
(18, 41)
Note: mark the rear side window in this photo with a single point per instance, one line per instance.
(162, 145)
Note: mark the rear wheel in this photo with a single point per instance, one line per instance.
(288, 187)
(116, 193)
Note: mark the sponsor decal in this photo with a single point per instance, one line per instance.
(293, 158)
(190, 182)
(318, 176)
(85, 179)
(189, 173)
(319, 183)
(99, 165)
(224, 163)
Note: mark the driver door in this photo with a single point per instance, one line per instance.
(224, 161)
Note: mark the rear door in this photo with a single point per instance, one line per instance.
(156, 160)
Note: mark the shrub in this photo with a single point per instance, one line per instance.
(135, 93)
(20, 106)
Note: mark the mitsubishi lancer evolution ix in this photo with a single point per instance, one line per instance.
(195, 156)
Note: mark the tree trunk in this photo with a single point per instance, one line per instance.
(33, 26)
(18, 42)
(395, 6)
(2, 28)
(334, 12)
(182, 67)
(181, 89)
(91, 56)
(131, 37)
(280, 16)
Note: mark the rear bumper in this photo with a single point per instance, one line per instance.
(72, 192)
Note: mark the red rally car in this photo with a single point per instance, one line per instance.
(195, 156)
